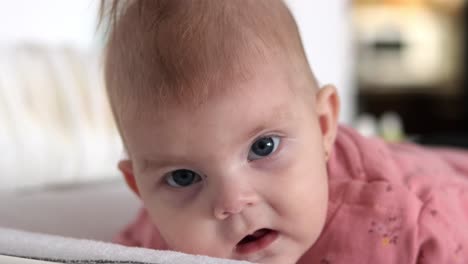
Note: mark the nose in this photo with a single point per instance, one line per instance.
(232, 198)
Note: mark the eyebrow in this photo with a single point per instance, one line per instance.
(150, 164)
(278, 114)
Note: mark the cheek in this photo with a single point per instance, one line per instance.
(301, 167)
(183, 235)
(303, 186)
(302, 183)
(309, 180)
(302, 205)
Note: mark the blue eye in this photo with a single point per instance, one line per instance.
(182, 178)
(263, 147)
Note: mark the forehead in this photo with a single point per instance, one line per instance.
(268, 97)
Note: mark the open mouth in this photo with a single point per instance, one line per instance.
(256, 241)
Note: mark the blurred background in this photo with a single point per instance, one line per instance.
(55, 124)
(399, 66)
(410, 69)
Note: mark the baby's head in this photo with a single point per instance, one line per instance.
(226, 130)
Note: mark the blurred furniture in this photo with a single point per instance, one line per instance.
(411, 59)
(95, 211)
(60, 147)
(55, 123)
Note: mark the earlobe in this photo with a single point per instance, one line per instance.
(328, 108)
(125, 166)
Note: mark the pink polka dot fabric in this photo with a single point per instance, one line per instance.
(394, 203)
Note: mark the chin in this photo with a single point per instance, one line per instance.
(278, 260)
(265, 258)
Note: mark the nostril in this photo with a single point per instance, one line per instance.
(222, 213)
(233, 202)
(225, 214)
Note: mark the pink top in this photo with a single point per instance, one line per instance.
(389, 203)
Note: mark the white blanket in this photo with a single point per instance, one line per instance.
(77, 251)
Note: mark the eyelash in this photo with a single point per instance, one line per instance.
(264, 159)
(274, 154)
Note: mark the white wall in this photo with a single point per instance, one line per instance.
(52, 22)
(325, 28)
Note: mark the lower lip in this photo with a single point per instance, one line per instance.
(258, 244)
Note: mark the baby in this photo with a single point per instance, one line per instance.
(236, 152)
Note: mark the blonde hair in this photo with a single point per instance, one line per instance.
(187, 50)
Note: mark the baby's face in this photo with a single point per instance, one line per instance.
(242, 177)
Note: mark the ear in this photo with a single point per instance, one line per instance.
(125, 166)
(328, 108)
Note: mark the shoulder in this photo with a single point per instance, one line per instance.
(418, 170)
(140, 233)
(394, 201)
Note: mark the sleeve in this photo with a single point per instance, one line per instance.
(141, 233)
(456, 159)
(443, 231)
(443, 220)
(382, 223)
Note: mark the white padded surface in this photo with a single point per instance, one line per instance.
(96, 211)
(67, 250)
